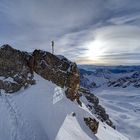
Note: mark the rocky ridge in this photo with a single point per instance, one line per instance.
(20, 66)
(17, 71)
(94, 106)
(14, 70)
(59, 70)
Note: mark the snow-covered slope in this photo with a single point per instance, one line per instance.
(42, 112)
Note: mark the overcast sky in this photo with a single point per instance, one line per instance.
(86, 31)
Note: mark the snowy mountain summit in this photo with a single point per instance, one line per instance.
(101, 77)
(41, 99)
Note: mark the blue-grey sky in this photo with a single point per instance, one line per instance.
(86, 31)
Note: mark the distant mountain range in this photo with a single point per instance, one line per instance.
(109, 76)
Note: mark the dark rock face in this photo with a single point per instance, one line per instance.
(60, 71)
(13, 65)
(50, 67)
(95, 107)
(20, 66)
(92, 124)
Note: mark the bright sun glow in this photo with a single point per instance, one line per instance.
(95, 50)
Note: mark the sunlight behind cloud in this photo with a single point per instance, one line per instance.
(113, 45)
(95, 50)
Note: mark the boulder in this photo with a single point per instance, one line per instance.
(92, 124)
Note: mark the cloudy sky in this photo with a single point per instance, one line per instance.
(86, 31)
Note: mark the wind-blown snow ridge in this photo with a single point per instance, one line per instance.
(39, 118)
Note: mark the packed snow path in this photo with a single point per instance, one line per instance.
(12, 118)
(20, 128)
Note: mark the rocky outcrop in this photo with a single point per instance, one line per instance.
(92, 124)
(17, 68)
(95, 107)
(59, 70)
(14, 69)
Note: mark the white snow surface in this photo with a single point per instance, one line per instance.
(39, 113)
(123, 107)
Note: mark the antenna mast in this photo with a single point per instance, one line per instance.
(52, 47)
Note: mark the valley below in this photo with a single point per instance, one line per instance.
(123, 107)
(118, 90)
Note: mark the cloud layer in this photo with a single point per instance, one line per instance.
(107, 29)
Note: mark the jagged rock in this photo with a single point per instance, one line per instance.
(20, 66)
(60, 71)
(13, 64)
(95, 107)
(101, 113)
(92, 124)
(9, 87)
(90, 97)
